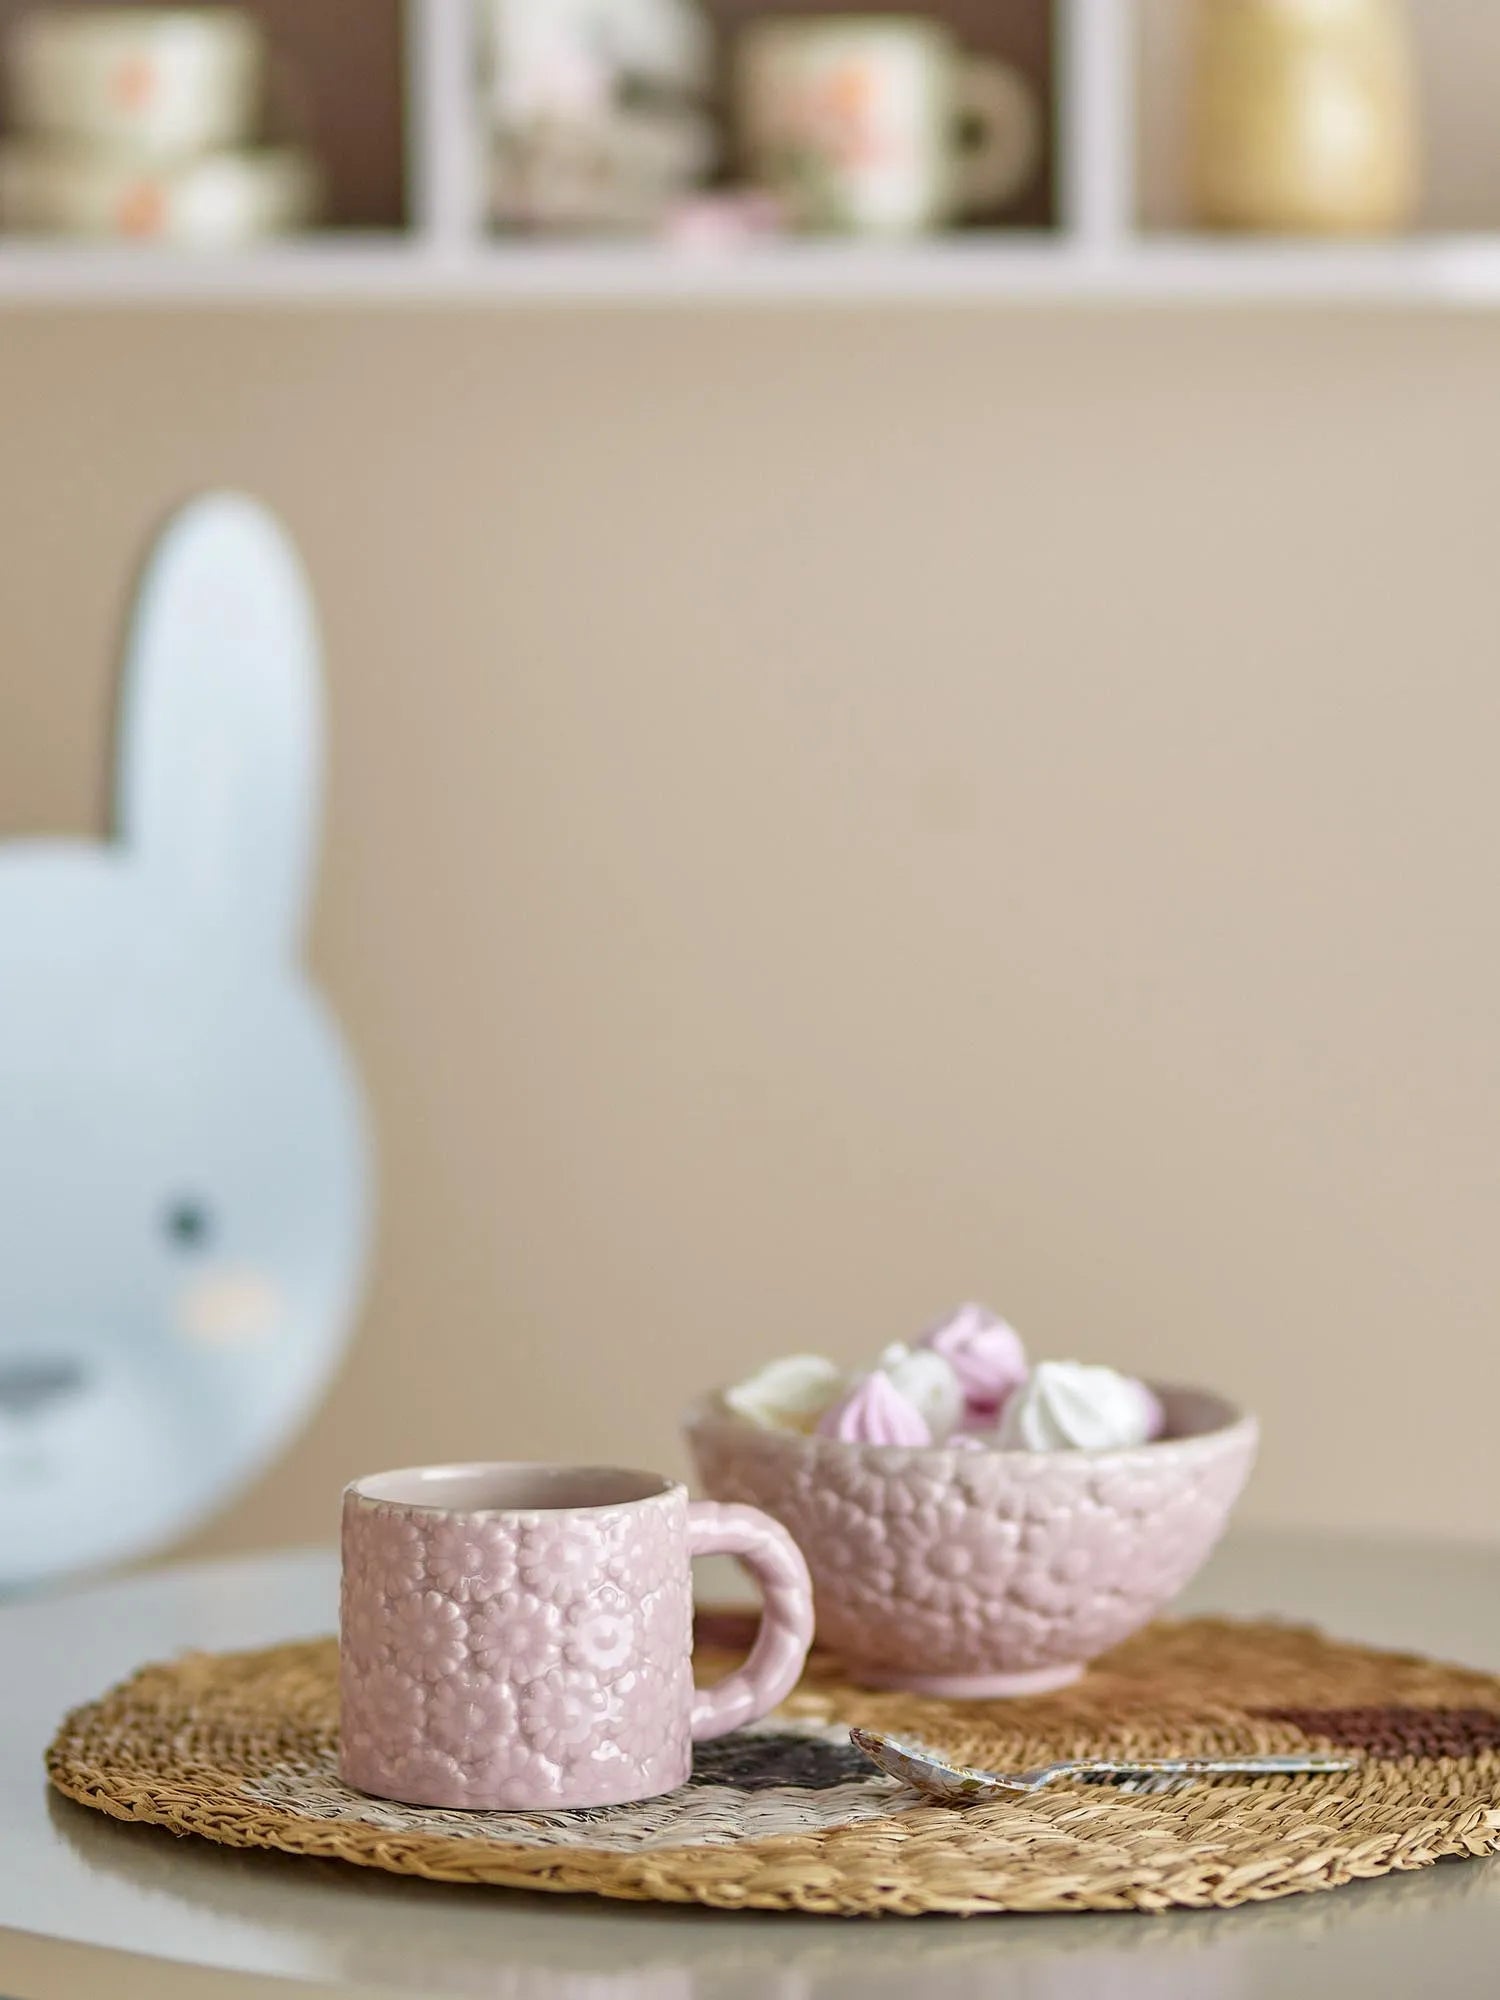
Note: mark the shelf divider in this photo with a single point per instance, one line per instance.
(1096, 123)
(444, 151)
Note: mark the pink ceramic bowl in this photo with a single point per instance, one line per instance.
(985, 1572)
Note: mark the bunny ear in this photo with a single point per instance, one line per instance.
(221, 729)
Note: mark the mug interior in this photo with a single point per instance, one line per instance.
(511, 1488)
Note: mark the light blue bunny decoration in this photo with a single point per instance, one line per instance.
(184, 1177)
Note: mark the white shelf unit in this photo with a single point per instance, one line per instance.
(1098, 252)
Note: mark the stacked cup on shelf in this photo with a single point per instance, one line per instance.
(141, 124)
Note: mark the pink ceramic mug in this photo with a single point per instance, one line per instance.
(521, 1636)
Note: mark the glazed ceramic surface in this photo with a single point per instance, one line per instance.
(986, 1572)
(518, 1636)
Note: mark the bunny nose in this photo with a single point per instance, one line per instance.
(30, 1384)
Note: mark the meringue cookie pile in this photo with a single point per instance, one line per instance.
(965, 1382)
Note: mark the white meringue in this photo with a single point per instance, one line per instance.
(1069, 1406)
(790, 1394)
(928, 1380)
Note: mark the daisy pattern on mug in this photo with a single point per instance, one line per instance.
(470, 1712)
(513, 1634)
(399, 1556)
(559, 1559)
(428, 1636)
(365, 1623)
(602, 1633)
(388, 1703)
(564, 1712)
(470, 1560)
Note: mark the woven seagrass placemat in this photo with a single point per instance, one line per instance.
(241, 1748)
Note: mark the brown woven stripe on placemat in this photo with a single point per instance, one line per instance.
(242, 1749)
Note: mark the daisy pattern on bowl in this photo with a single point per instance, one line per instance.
(1062, 1558)
(841, 1471)
(428, 1636)
(954, 1558)
(860, 1537)
(925, 1483)
(470, 1560)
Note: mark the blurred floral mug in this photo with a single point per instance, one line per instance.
(520, 1636)
(880, 125)
(156, 83)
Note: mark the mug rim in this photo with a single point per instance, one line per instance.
(403, 1486)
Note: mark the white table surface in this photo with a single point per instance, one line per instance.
(90, 1907)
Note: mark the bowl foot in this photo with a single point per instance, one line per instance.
(972, 1687)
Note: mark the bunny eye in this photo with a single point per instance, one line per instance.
(188, 1223)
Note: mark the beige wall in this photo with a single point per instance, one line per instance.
(832, 813)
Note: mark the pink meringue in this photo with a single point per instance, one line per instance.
(875, 1412)
(985, 1353)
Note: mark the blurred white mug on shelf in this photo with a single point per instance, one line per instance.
(216, 202)
(157, 82)
(880, 125)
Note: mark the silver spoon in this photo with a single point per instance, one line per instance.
(918, 1765)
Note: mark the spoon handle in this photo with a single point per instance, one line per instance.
(924, 1768)
(1202, 1767)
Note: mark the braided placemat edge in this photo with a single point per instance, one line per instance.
(1066, 1851)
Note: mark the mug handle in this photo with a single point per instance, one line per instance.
(997, 138)
(786, 1620)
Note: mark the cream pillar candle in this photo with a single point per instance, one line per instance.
(1304, 116)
